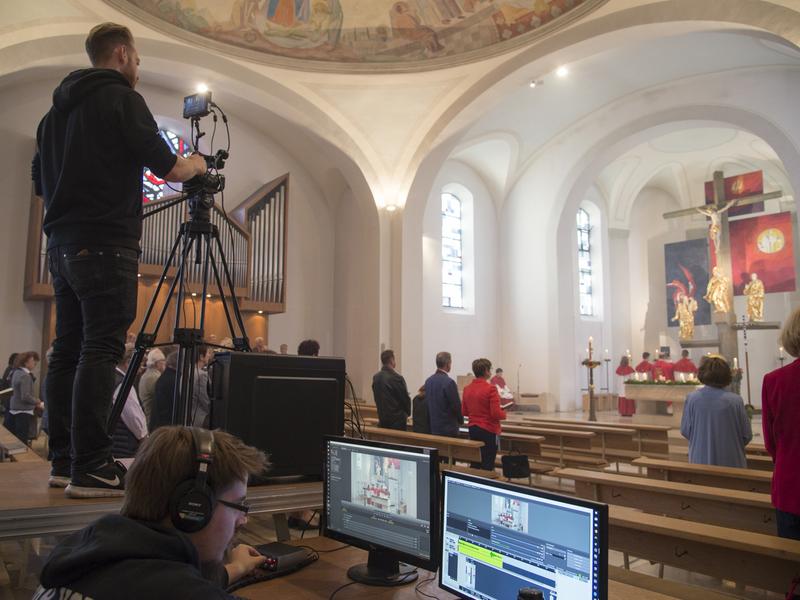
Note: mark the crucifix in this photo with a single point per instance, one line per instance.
(719, 243)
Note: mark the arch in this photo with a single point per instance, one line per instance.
(589, 165)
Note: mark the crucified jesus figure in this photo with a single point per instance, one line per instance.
(715, 229)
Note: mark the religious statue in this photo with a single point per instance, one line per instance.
(684, 314)
(754, 290)
(715, 229)
(718, 291)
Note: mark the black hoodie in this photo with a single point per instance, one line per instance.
(91, 148)
(117, 558)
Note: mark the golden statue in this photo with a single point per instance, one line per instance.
(754, 290)
(684, 314)
(718, 291)
(715, 228)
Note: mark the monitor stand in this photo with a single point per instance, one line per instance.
(382, 569)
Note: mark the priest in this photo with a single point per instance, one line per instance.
(645, 366)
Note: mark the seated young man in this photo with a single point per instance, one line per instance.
(162, 546)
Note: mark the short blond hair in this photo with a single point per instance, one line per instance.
(104, 38)
(166, 459)
(790, 336)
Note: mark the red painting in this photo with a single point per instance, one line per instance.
(763, 245)
(740, 186)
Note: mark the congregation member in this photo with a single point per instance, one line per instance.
(780, 405)
(684, 367)
(481, 405)
(156, 363)
(645, 366)
(626, 406)
(154, 550)
(5, 382)
(498, 379)
(714, 420)
(165, 390)
(391, 394)
(441, 395)
(259, 345)
(98, 124)
(308, 348)
(201, 402)
(421, 422)
(284, 348)
(24, 406)
(131, 427)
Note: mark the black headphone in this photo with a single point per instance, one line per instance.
(193, 501)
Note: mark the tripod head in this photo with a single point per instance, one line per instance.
(200, 189)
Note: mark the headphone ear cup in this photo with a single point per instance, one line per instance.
(191, 507)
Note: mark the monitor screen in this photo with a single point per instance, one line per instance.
(498, 538)
(382, 496)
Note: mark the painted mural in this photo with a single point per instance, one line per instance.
(686, 271)
(359, 31)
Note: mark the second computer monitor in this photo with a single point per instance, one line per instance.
(498, 538)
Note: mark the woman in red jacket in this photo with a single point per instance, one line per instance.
(780, 404)
(481, 403)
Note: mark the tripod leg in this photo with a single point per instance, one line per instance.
(222, 298)
(184, 386)
(206, 262)
(161, 284)
(125, 388)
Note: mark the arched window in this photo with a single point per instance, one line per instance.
(452, 252)
(152, 186)
(585, 263)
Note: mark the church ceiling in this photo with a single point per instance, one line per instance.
(378, 35)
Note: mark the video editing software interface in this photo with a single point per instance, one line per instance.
(496, 541)
(380, 496)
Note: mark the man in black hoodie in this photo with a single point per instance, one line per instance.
(91, 148)
(142, 553)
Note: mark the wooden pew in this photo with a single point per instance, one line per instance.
(672, 589)
(727, 508)
(759, 560)
(756, 448)
(748, 480)
(612, 444)
(558, 441)
(470, 471)
(651, 440)
(451, 447)
(11, 447)
(754, 461)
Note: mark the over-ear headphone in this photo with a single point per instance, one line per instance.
(192, 503)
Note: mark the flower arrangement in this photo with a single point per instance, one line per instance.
(662, 382)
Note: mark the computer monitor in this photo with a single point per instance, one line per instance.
(382, 498)
(498, 538)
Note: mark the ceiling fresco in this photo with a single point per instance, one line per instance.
(366, 32)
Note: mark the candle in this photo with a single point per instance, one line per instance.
(735, 363)
(683, 377)
(780, 351)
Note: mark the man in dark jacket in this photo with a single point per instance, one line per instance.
(147, 551)
(164, 395)
(391, 394)
(91, 148)
(441, 394)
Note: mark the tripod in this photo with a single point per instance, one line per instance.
(200, 234)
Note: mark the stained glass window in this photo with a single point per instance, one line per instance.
(152, 186)
(452, 259)
(585, 263)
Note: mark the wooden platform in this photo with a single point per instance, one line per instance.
(29, 508)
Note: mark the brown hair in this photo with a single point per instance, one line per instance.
(714, 371)
(386, 356)
(166, 459)
(308, 348)
(481, 367)
(103, 39)
(23, 357)
(790, 336)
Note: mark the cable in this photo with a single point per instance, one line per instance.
(423, 582)
(340, 588)
(308, 524)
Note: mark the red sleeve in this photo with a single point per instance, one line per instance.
(767, 415)
(494, 405)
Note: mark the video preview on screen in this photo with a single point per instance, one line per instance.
(497, 541)
(380, 496)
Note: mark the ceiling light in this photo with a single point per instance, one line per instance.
(261, 312)
(391, 207)
(208, 295)
(562, 71)
(138, 274)
(202, 88)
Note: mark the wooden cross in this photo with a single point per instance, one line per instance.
(728, 342)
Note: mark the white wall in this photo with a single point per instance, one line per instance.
(473, 332)
(255, 160)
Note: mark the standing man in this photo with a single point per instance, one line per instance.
(91, 148)
(391, 394)
(441, 394)
(156, 363)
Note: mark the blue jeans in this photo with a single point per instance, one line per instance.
(95, 294)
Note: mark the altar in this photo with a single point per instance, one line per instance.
(652, 398)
